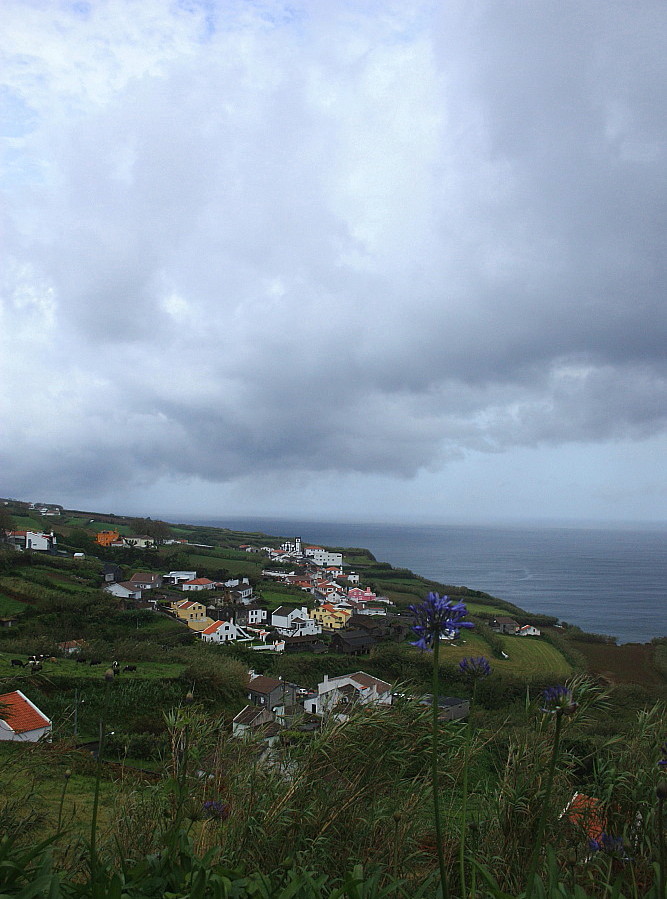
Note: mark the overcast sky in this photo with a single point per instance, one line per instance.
(363, 260)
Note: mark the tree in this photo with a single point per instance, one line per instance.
(6, 522)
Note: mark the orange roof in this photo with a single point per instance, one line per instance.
(199, 580)
(212, 628)
(20, 714)
(586, 812)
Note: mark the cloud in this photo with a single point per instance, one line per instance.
(363, 238)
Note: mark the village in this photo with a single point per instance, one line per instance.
(338, 615)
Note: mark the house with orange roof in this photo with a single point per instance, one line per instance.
(223, 632)
(329, 617)
(192, 613)
(21, 720)
(197, 583)
(106, 538)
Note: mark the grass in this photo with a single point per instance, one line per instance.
(527, 657)
(631, 663)
(71, 668)
(9, 606)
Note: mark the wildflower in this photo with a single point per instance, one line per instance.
(437, 617)
(663, 761)
(558, 701)
(213, 808)
(475, 667)
(611, 845)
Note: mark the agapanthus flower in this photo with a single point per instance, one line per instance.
(475, 667)
(558, 701)
(608, 844)
(436, 617)
(663, 761)
(214, 808)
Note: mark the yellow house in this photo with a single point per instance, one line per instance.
(329, 617)
(193, 613)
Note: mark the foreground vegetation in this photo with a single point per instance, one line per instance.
(170, 804)
(344, 812)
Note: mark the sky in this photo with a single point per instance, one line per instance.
(357, 260)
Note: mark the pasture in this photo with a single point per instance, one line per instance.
(528, 656)
(83, 671)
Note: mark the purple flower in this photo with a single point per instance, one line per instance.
(213, 808)
(475, 667)
(663, 761)
(436, 617)
(606, 843)
(558, 701)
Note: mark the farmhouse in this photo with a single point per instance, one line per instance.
(21, 720)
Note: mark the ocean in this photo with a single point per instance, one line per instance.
(609, 581)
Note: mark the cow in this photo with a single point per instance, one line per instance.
(130, 668)
(94, 662)
(82, 660)
(17, 663)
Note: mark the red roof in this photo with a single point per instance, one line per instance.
(586, 812)
(20, 714)
(199, 580)
(212, 628)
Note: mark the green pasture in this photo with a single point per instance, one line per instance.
(528, 656)
(71, 668)
(475, 607)
(9, 606)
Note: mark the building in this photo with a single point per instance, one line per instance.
(352, 643)
(123, 590)
(330, 618)
(323, 557)
(189, 611)
(177, 577)
(294, 622)
(146, 580)
(106, 538)
(197, 583)
(223, 632)
(504, 625)
(269, 692)
(32, 540)
(339, 694)
(528, 631)
(21, 720)
(450, 708)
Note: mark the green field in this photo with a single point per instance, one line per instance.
(528, 656)
(71, 668)
(9, 606)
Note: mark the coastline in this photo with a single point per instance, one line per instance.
(585, 576)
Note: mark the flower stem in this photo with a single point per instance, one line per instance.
(464, 806)
(539, 830)
(434, 767)
(98, 775)
(661, 849)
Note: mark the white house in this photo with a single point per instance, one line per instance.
(197, 583)
(336, 694)
(176, 577)
(32, 540)
(123, 590)
(21, 720)
(528, 631)
(294, 622)
(223, 632)
(324, 557)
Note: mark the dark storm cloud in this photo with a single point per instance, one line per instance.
(345, 240)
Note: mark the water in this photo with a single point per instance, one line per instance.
(606, 581)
